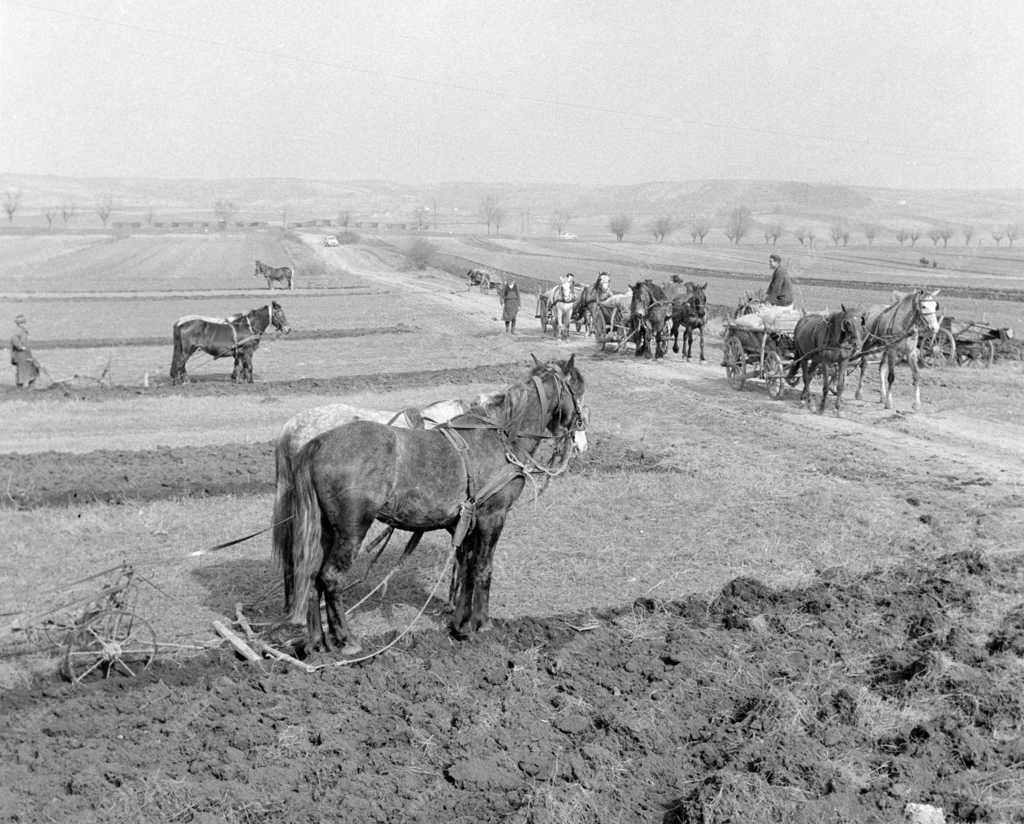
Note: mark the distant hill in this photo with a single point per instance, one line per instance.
(787, 202)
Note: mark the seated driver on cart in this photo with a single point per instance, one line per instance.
(777, 310)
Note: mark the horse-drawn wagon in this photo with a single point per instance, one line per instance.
(611, 323)
(554, 308)
(764, 353)
(969, 341)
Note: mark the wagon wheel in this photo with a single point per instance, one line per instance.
(600, 331)
(943, 350)
(735, 360)
(624, 335)
(983, 353)
(774, 375)
(112, 640)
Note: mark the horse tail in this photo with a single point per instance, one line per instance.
(282, 523)
(306, 550)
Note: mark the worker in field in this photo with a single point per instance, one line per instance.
(508, 294)
(26, 369)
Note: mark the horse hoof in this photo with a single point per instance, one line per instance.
(350, 648)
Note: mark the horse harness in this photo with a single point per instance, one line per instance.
(513, 468)
(247, 317)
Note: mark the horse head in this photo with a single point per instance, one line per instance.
(698, 299)
(926, 305)
(277, 318)
(843, 330)
(562, 403)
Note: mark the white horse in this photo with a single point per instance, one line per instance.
(560, 301)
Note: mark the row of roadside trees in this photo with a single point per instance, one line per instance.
(740, 224)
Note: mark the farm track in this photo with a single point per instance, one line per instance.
(48, 479)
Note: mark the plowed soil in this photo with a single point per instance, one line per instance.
(842, 701)
(837, 694)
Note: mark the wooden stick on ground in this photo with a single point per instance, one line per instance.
(265, 648)
(240, 646)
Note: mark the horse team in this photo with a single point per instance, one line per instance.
(647, 312)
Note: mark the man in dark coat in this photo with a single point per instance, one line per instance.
(508, 294)
(780, 289)
(26, 369)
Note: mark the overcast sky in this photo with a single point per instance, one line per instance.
(921, 93)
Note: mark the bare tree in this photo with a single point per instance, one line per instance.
(699, 227)
(836, 233)
(661, 227)
(846, 235)
(914, 234)
(968, 234)
(935, 235)
(499, 218)
(772, 233)
(810, 237)
(870, 232)
(1012, 230)
(67, 211)
(343, 219)
(224, 210)
(739, 223)
(50, 212)
(560, 218)
(12, 201)
(488, 206)
(997, 236)
(946, 232)
(801, 234)
(422, 215)
(150, 216)
(901, 236)
(618, 226)
(104, 206)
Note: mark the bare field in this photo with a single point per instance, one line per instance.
(730, 608)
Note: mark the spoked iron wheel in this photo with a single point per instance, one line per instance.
(774, 375)
(600, 332)
(110, 641)
(735, 362)
(944, 348)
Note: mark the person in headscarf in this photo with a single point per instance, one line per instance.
(26, 369)
(508, 292)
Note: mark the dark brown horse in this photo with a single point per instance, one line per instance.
(237, 335)
(462, 477)
(649, 311)
(689, 312)
(274, 274)
(825, 343)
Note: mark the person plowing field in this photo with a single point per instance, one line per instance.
(26, 368)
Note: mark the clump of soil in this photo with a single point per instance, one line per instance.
(842, 700)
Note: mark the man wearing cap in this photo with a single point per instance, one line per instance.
(780, 289)
(26, 370)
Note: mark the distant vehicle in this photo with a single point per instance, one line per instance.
(330, 240)
(567, 236)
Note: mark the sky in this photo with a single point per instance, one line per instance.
(916, 93)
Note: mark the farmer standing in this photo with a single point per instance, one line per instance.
(26, 369)
(508, 293)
